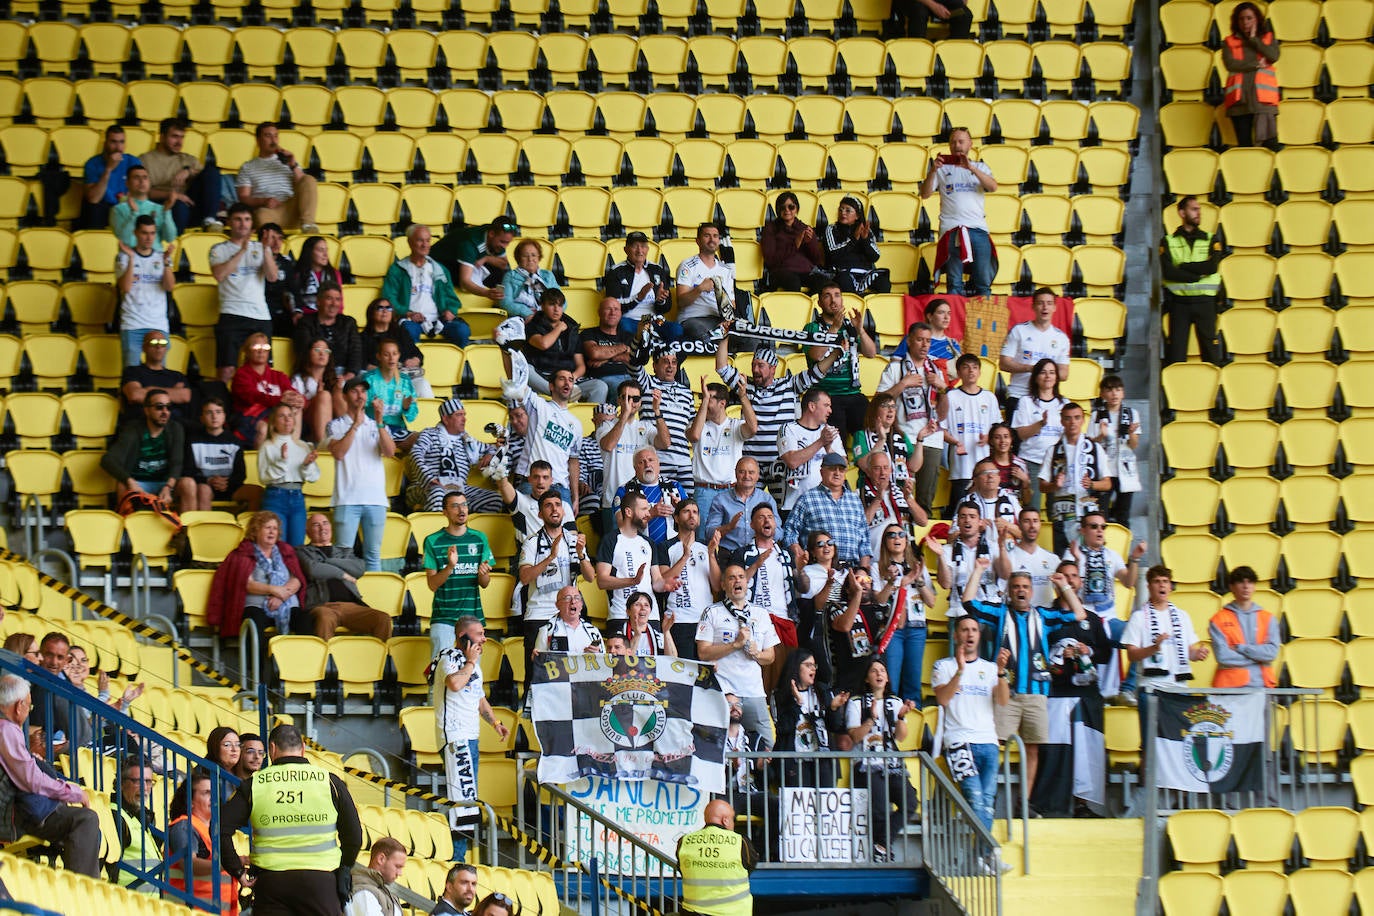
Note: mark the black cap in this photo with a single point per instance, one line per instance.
(636, 236)
(354, 383)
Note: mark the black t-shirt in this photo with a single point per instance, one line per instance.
(601, 338)
(217, 456)
(561, 354)
(166, 379)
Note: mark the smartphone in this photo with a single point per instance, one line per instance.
(960, 159)
(465, 642)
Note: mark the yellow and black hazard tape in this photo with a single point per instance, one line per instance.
(138, 627)
(531, 845)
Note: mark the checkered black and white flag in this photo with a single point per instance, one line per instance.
(630, 718)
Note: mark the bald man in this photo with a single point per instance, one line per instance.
(715, 862)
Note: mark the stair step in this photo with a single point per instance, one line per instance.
(1093, 862)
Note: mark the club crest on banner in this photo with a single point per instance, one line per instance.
(634, 717)
(1209, 743)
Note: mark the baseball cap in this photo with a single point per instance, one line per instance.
(636, 236)
(832, 460)
(354, 383)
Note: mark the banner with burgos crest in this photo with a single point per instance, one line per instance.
(629, 718)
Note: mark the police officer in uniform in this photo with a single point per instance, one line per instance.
(1188, 261)
(306, 833)
(715, 863)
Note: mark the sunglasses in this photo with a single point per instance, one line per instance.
(896, 534)
(261, 347)
(635, 398)
(385, 308)
(820, 544)
(789, 206)
(1095, 527)
(502, 898)
(155, 343)
(167, 407)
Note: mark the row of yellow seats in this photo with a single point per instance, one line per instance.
(109, 646)
(1188, 22)
(1189, 70)
(1302, 224)
(1313, 558)
(1263, 838)
(1248, 278)
(1248, 173)
(1249, 447)
(1301, 122)
(1306, 612)
(1310, 502)
(1313, 891)
(1304, 334)
(40, 886)
(1250, 388)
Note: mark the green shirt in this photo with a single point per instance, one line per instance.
(152, 458)
(843, 377)
(459, 594)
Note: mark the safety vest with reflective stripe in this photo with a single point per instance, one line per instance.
(714, 879)
(204, 886)
(1266, 80)
(141, 853)
(1181, 251)
(295, 823)
(1229, 625)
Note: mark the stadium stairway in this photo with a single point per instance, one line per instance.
(1093, 863)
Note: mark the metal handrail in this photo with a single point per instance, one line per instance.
(956, 842)
(1023, 793)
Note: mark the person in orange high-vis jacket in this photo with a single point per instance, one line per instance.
(1252, 87)
(1245, 637)
(188, 837)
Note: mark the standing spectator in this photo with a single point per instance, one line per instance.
(1161, 638)
(877, 724)
(1030, 342)
(148, 455)
(1244, 635)
(791, 252)
(808, 711)
(964, 241)
(643, 636)
(332, 598)
(1188, 262)
(678, 405)
(257, 388)
(661, 494)
(106, 179)
(881, 435)
(944, 350)
(422, 291)
(851, 252)
(1074, 473)
(320, 387)
(832, 506)
(850, 625)
(969, 542)
(359, 444)
(1012, 475)
(554, 433)
(192, 187)
(971, 691)
(1037, 422)
(441, 460)
(280, 304)
(138, 380)
(275, 185)
(902, 583)
(553, 344)
(145, 279)
(718, 441)
(776, 402)
(770, 572)
(997, 508)
(738, 636)
(217, 462)
(311, 272)
(460, 890)
(705, 287)
(1117, 430)
(524, 508)
(124, 215)
(732, 510)
(885, 503)
(331, 325)
(641, 288)
(551, 559)
(457, 562)
(1252, 87)
(691, 577)
(285, 466)
(843, 382)
(477, 256)
(190, 846)
(392, 387)
(1100, 569)
(803, 443)
(917, 384)
(970, 412)
(625, 557)
(1026, 555)
(608, 351)
(567, 633)
(372, 893)
(241, 269)
(525, 283)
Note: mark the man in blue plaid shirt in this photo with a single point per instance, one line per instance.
(831, 507)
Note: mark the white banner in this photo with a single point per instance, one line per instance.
(659, 813)
(824, 825)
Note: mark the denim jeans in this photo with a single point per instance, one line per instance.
(455, 331)
(981, 268)
(131, 344)
(704, 497)
(441, 636)
(290, 508)
(981, 791)
(904, 658)
(372, 519)
(1115, 627)
(204, 191)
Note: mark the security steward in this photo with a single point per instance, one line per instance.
(1188, 261)
(715, 863)
(306, 833)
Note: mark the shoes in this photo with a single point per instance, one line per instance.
(309, 227)
(992, 864)
(880, 854)
(1125, 698)
(211, 224)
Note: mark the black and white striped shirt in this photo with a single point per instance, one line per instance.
(679, 407)
(775, 405)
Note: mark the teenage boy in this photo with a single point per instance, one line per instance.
(1116, 428)
(970, 411)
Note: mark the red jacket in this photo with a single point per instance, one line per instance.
(255, 394)
(229, 588)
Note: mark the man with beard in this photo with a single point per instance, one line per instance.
(885, 501)
(625, 558)
(1027, 555)
(738, 636)
(957, 562)
(804, 442)
(460, 891)
(441, 460)
(690, 572)
(551, 560)
(842, 382)
(634, 427)
(661, 491)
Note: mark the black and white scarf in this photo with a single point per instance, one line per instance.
(919, 401)
(1128, 475)
(1067, 502)
(1183, 666)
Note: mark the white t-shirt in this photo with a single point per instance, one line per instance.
(421, 288)
(737, 672)
(913, 404)
(618, 465)
(626, 554)
(915, 609)
(1028, 344)
(969, 713)
(554, 435)
(687, 602)
(145, 304)
(969, 418)
(961, 197)
(694, 272)
(1041, 564)
(1140, 632)
(1029, 411)
(719, 449)
(456, 711)
(794, 437)
(360, 475)
(243, 291)
(542, 593)
(560, 638)
(643, 308)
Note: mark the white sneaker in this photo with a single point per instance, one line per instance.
(210, 224)
(309, 227)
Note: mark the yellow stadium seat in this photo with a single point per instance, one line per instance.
(1193, 557)
(765, 57)
(1302, 70)
(465, 53)
(1189, 71)
(1264, 837)
(360, 662)
(1191, 502)
(312, 49)
(615, 58)
(1257, 891)
(1315, 891)
(1347, 20)
(50, 100)
(55, 44)
(1200, 840)
(1185, 893)
(1304, 121)
(1187, 124)
(565, 55)
(300, 663)
(1294, 20)
(364, 54)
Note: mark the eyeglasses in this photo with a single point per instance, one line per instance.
(789, 206)
(254, 752)
(231, 745)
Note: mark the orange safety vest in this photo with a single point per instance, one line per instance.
(1229, 624)
(1266, 81)
(204, 888)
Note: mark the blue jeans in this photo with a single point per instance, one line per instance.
(1115, 627)
(441, 636)
(704, 497)
(290, 508)
(131, 344)
(455, 331)
(904, 658)
(613, 382)
(373, 521)
(205, 191)
(981, 268)
(981, 791)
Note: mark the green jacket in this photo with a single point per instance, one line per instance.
(396, 288)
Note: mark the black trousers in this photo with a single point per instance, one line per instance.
(911, 18)
(297, 893)
(1191, 312)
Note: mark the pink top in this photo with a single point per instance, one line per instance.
(24, 772)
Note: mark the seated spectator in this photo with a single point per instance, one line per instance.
(311, 272)
(567, 633)
(217, 462)
(330, 324)
(332, 572)
(257, 388)
(275, 185)
(791, 252)
(40, 802)
(851, 252)
(880, 433)
(392, 387)
(148, 455)
(1030, 342)
(460, 891)
(843, 383)
(1037, 422)
(285, 466)
(902, 584)
(1013, 475)
(645, 636)
(640, 287)
(831, 505)
(1116, 428)
(372, 884)
(553, 344)
(477, 257)
(808, 713)
(280, 304)
(379, 324)
(260, 581)
(705, 287)
(608, 350)
(242, 267)
(144, 279)
(964, 241)
(124, 215)
(877, 723)
(319, 384)
(421, 290)
(192, 187)
(911, 18)
(496, 905)
(190, 847)
(106, 177)
(24, 645)
(78, 671)
(139, 840)
(1244, 636)
(524, 284)
(441, 459)
(138, 380)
